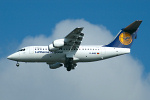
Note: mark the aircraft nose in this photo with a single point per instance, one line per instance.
(14, 56)
(9, 57)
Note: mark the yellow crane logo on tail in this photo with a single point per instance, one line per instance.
(125, 38)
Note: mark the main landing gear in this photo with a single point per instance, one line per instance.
(17, 64)
(69, 64)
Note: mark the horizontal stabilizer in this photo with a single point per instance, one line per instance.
(133, 27)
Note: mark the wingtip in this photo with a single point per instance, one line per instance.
(80, 27)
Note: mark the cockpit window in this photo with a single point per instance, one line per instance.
(22, 49)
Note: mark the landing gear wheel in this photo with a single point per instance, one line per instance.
(17, 64)
(68, 63)
(68, 68)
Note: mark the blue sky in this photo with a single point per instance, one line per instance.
(27, 22)
(19, 19)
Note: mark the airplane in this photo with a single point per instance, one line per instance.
(69, 51)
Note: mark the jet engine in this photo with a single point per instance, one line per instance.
(56, 45)
(52, 48)
(56, 65)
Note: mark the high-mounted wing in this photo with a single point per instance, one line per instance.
(71, 41)
(74, 38)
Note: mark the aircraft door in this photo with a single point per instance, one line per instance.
(31, 50)
(102, 51)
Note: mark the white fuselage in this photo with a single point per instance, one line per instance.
(68, 51)
(82, 54)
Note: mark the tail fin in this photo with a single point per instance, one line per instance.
(126, 36)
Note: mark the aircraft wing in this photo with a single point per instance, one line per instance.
(74, 38)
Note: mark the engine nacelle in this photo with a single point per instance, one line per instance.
(56, 65)
(52, 48)
(58, 43)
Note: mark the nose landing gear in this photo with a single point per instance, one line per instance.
(17, 64)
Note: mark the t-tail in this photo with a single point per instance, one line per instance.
(126, 36)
